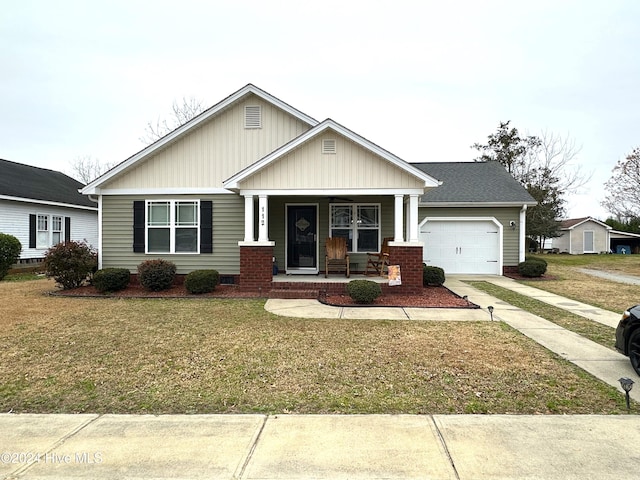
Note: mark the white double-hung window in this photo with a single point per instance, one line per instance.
(49, 231)
(358, 223)
(173, 226)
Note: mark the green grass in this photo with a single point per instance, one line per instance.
(22, 277)
(68, 355)
(594, 331)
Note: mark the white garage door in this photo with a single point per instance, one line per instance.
(462, 246)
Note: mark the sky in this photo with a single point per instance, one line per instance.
(423, 79)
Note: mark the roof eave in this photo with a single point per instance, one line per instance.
(477, 204)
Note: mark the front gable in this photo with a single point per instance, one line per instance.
(331, 157)
(350, 167)
(200, 154)
(204, 156)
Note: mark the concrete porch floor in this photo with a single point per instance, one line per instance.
(332, 278)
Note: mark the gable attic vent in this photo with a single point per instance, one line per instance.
(252, 116)
(329, 145)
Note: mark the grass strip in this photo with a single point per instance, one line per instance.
(594, 331)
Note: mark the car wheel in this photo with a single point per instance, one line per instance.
(634, 350)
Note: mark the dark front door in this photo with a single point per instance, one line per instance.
(302, 239)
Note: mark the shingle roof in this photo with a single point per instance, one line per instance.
(569, 223)
(25, 181)
(473, 182)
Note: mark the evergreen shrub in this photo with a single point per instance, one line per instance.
(432, 275)
(202, 281)
(111, 279)
(156, 275)
(532, 269)
(363, 291)
(10, 248)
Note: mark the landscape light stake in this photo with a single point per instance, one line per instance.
(490, 308)
(627, 385)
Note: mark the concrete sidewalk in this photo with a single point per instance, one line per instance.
(464, 447)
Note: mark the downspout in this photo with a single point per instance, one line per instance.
(98, 200)
(523, 227)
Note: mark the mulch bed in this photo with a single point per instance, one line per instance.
(435, 297)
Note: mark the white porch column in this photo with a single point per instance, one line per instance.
(412, 219)
(398, 215)
(263, 221)
(248, 218)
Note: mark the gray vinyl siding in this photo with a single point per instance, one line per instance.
(510, 254)
(228, 230)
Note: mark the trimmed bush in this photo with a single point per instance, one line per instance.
(156, 275)
(10, 248)
(363, 291)
(537, 259)
(70, 263)
(432, 275)
(530, 268)
(202, 281)
(111, 279)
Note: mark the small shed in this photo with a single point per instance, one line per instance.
(583, 235)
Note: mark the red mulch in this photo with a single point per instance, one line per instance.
(439, 297)
(436, 297)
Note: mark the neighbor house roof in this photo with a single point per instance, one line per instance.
(26, 183)
(477, 183)
(571, 223)
(192, 124)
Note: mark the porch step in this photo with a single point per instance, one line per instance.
(289, 293)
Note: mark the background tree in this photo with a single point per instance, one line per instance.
(623, 194)
(86, 168)
(181, 113)
(507, 147)
(631, 225)
(543, 165)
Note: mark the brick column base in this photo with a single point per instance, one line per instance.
(256, 268)
(409, 257)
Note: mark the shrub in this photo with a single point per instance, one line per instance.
(537, 259)
(363, 291)
(432, 275)
(10, 248)
(202, 281)
(156, 275)
(111, 279)
(70, 263)
(530, 268)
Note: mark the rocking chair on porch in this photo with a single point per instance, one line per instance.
(336, 255)
(377, 261)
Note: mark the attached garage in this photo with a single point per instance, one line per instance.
(463, 245)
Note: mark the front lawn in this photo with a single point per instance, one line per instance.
(571, 283)
(230, 356)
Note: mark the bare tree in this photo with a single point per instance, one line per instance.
(623, 199)
(180, 114)
(559, 157)
(86, 168)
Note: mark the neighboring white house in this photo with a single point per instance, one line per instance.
(43, 207)
(583, 235)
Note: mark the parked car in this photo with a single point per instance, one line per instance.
(628, 336)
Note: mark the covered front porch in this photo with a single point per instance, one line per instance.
(287, 234)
